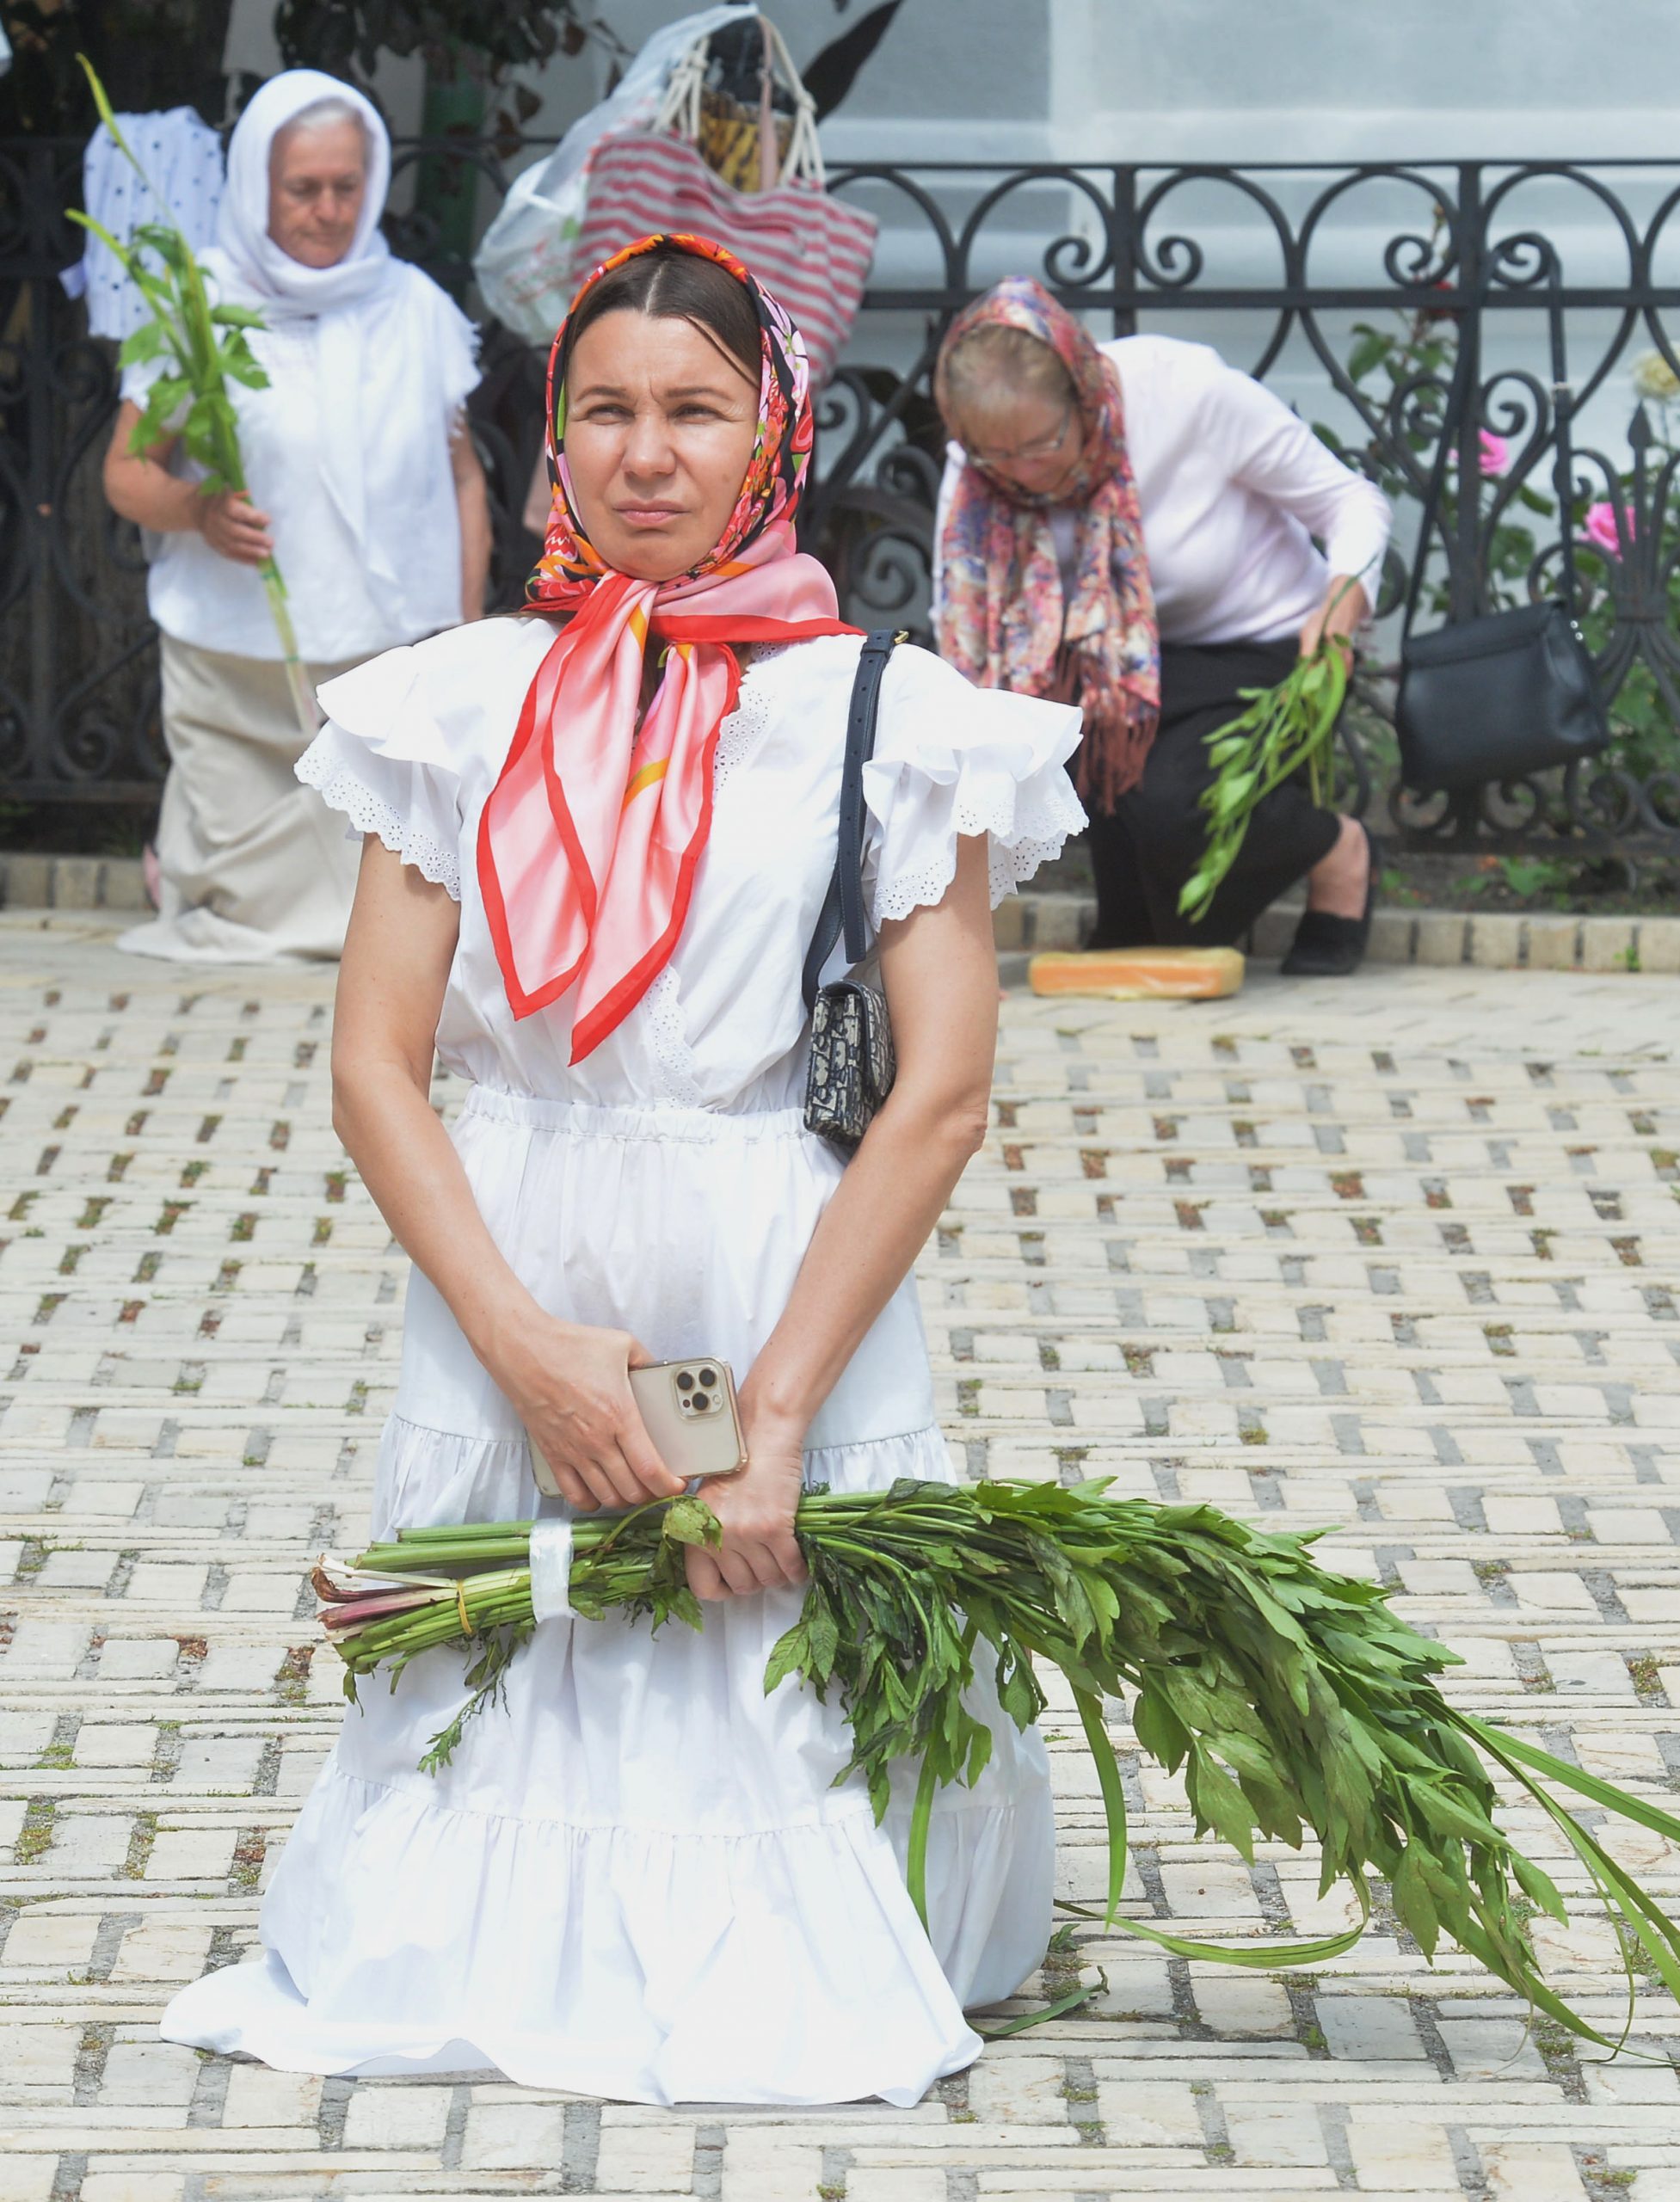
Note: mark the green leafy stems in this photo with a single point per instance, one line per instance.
(206, 345)
(1283, 730)
(1292, 1700)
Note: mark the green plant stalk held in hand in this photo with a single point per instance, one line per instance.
(1293, 1699)
(206, 345)
(1283, 728)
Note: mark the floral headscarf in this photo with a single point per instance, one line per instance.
(590, 840)
(1002, 619)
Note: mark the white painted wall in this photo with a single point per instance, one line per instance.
(1232, 80)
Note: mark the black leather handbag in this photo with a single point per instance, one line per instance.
(851, 1062)
(1497, 698)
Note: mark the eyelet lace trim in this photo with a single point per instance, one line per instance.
(370, 814)
(674, 1059)
(1031, 838)
(744, 731)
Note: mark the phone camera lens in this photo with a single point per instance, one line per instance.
(684, 1381)
(708, 1377)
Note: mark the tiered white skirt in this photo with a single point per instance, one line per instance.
(637, 1880)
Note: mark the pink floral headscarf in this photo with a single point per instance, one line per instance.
(588, 845)
(1002, 619)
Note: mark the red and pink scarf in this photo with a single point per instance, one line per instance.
(590, 843)
(1002, 618)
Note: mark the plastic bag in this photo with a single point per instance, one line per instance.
(524, 261)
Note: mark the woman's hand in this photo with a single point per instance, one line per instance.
(569, 1385)
(1343, 611)
(234, 528)
(759, 1551)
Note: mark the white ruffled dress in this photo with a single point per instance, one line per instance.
(637, 1880)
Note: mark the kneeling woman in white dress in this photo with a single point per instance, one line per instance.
(598, 843)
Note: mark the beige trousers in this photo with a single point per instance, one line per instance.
(255, 867)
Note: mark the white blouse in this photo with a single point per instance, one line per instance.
(1232, 487)
(199, 597)
(416, 739)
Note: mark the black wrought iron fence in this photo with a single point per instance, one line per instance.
(1350, 287)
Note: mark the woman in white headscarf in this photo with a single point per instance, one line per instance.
(364, 486)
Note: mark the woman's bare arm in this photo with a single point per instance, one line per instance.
(139, 487)
(1345, 610)
(567, 1382)
(472, 501)
(940, 973)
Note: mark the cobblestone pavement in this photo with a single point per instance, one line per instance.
(1396, 1255)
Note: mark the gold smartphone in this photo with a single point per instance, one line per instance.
(688, 1409)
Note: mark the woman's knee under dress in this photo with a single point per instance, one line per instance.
(1146, 849)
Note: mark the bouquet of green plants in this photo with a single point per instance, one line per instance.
(1293, 1699)
(206, 346)
(1283, 730)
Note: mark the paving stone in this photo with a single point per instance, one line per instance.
(1542, 2172)
(1403, 2154)
(512, 2136)
(646, 2159)
(1394, 1257)
(27, 2179)
(396, 2117)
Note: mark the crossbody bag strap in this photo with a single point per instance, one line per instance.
(1563, 415)
(1563, 420)
(1452, 420)
(843, 905)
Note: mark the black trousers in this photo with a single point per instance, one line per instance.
(1144, 851)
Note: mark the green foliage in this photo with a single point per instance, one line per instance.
(1284, 730)
(346, 37)
(206, 346)
(1293, 1700)
(1525, 876)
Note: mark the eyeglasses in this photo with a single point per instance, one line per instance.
(1040, 448)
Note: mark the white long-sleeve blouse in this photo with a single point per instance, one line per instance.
(1234, 489)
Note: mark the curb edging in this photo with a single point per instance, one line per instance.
(1023, 924)
(1490, 940)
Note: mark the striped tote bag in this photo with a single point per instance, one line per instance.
(811, 251)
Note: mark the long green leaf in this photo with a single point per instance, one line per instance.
(1074, 2000)
(921, 1818)
(1113, 1792)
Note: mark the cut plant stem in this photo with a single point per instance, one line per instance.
(1291, 1700)
(1284, 730)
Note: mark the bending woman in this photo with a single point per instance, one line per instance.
(601, 843)
(1132, 525)
(366, 487)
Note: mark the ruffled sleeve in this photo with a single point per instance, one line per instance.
(382, 759)
(953, 760)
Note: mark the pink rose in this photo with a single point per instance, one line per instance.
(1599, 528)
(1495, 452)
